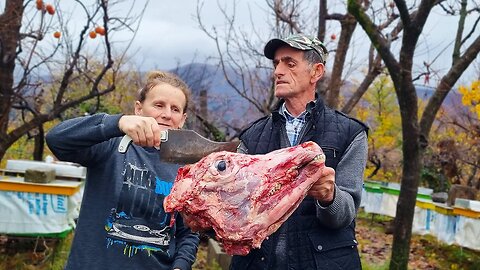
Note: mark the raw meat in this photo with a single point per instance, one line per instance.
(244, 198)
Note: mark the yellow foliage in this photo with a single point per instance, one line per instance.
(381, 113)
(471, 97)
(463, 129)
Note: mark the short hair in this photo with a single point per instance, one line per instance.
(156, 77)
(312, 57)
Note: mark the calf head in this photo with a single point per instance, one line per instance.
(245, 198)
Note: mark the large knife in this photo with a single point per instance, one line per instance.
(184, 146)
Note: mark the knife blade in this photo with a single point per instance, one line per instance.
(184, 146)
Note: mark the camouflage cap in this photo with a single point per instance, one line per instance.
(297, 41)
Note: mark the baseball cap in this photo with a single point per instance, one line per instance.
(297, 41)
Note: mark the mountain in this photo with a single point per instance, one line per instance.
(215, 98)
(225, 107)
(425, 93)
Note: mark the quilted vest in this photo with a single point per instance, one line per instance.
(304, 235)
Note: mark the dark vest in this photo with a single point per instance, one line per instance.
(305, 238)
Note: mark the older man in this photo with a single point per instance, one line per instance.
(320, 234)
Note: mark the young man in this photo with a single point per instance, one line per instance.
(122, 224)
(320, 234)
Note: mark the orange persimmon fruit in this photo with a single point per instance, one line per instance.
(39, 4)
(50, 9)
(100, 30)
(92, 34)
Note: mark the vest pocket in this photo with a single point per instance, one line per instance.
(322, 244)
(334, 253)
(332, 156)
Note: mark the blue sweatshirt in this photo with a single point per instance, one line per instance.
(122, 224)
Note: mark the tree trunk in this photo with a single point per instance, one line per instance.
(408, 103)
(348, 27)
(3, 150)
(39, 144)
(322, 18)
(10, 23)
(408, 190)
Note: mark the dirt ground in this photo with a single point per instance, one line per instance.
(375, 248)
(426, 252)
(374, 245)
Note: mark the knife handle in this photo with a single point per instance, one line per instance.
(126, 140)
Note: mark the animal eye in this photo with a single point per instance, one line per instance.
(221, 165)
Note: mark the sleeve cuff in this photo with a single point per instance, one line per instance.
(182, 264)
(333, 207)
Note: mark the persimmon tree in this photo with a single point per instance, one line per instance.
(48, 47)
(415, 126)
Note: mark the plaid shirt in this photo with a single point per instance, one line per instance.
(294, 125)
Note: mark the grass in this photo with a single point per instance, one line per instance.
(35, 253)
(374, 245)
(60, 255)
(426, 252)
(367, 266)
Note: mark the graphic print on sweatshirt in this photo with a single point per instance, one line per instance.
(139, 222)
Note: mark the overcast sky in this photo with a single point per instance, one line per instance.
(169, 33)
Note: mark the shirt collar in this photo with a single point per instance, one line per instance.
(283, 111)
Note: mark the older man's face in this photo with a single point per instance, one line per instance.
(293, 74)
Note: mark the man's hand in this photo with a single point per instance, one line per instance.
(143, 130)
(324, 189)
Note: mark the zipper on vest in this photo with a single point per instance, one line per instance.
(306, 128)
(331, 148)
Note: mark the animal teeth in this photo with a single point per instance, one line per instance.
(316, 158)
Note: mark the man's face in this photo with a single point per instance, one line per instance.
(165, 103)
(293, 74)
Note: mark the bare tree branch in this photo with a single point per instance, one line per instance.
(68, 63)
